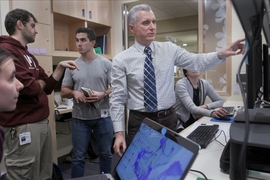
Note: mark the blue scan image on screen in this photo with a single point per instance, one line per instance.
(153, 156)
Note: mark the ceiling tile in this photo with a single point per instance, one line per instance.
(170, 9)
(180, 11)
(166, 4)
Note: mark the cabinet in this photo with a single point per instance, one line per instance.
(41, 9)
(71, 8)
(64, 32)
(95, 11)
(99, 11)
(82, 14)
(43, 42)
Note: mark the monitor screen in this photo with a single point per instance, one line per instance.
(266, 72)
(266, 21)
(156, 153)
(250, 14)
(266, 57)
(254, 73)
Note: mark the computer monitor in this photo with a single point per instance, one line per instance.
(254, 73)
(266, 21)
(250, 13)
(266, 56)
(266, 72)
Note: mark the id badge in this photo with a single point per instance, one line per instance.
(104, 113)
(25, 138)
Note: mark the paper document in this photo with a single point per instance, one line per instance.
(87, 92)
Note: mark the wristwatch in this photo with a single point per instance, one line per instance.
(105, 94)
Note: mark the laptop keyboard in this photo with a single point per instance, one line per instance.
(230, 110)
(203, 134)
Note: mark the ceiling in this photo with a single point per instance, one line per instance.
(169, 9)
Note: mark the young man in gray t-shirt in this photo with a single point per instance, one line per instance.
(94, 73)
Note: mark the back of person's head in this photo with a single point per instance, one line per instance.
(133, 12)
(17, 15)
(4, 56)
(90, 33)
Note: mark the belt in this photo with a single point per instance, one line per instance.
(161, 113)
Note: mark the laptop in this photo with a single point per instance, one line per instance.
(156, 152)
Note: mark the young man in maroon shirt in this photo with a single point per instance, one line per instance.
(27, 147)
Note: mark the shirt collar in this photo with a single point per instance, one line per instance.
(142, 47)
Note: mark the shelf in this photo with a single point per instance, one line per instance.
(66, 54)
(107, 56)
(65, 28)
(71, 55)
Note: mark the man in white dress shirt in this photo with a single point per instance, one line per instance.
(128, 75)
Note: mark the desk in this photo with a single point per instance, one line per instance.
(63, 137)
(258, 139)
(62, 109)
(207, 160)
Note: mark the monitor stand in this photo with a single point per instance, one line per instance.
(257, 116)
(259, 135)
(265, 105)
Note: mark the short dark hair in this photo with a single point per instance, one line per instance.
(4, 55)
(17, 14)
(185, 72)
(90, 33)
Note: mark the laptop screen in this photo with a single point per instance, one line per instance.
(156, 153)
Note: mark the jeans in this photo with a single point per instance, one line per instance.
(81, 132)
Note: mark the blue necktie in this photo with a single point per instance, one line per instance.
(150, 92)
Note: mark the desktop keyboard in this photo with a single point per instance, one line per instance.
(203, 134)
(230, 110)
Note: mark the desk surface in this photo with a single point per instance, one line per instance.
(207, 160)
(62, 109)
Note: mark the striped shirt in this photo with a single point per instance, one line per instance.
(128, 72)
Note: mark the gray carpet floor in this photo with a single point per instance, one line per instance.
(91, 165)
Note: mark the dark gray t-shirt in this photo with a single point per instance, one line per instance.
(95, 75)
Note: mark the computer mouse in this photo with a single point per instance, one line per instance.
(224, 118)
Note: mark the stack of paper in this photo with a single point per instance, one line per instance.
(87, 92)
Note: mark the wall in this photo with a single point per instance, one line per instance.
(237, 33)
(116, 31)
(187, 24)
(187, 30)
(4, 7)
